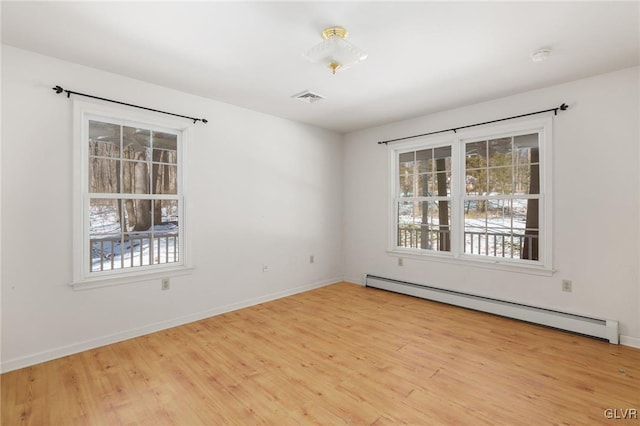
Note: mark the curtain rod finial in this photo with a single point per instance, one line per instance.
(58, 89)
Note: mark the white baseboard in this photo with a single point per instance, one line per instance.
(634, 342)
(48, 355)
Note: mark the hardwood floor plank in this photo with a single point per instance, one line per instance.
(341, 354)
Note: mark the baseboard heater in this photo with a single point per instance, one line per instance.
(603, 329)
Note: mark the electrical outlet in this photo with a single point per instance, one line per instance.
(165, 284)
(265, 268)
(400, 261)
(567, 286)
(312, 259)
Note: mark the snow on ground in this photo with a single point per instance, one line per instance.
(113, 249)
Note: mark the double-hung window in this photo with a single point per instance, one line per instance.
(129, 197)
(424, 198)
(479, 195)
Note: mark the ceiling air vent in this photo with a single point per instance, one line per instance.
(308, 97)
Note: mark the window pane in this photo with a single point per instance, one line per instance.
(500, 152)
(165, 179)
(105, 252)
(104, 217)
(523, 146)
(406, 185)
(527, 224)
(424, 182)
(442, 153)
(500, 180)
(405, 169)
(476, 230)
(136, 144)
(476, 182)
(165, 147)
(525, 213)
(500, 217)
(442, 183)
(104, 139)
(406, 161)
(526, 162)
(138, 215)
(104, 233)
(424, 160)
(442, 177)
(408, 230)
(166, 248)
(169, 213)
(439, 226)
(476, 155)
(527, 179)
(406, 212)
(104, 175)
(135, 177)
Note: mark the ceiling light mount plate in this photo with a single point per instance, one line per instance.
(334, 31)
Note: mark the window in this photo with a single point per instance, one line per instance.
(424, 204)
(502, 190)
(130, 197)
(482, 195)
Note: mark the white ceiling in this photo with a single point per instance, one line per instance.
(423, 56)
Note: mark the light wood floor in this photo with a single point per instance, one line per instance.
(339, 354)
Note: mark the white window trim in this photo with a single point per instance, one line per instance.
(82, 278)
(543, 125)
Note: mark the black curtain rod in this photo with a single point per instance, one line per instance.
(59, 89)
(562, 107)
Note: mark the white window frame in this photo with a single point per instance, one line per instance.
(83, 278)
(540, 125)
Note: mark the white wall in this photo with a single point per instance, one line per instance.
(596, 203)
(301, 192)
(261, 190)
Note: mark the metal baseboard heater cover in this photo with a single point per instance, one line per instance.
(603, 329)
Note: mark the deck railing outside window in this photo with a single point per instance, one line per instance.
(111, 253)
(479, 243)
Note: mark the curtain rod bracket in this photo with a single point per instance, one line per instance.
(59, 90)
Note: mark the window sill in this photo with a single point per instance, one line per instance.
(120, 279)
(477, 263)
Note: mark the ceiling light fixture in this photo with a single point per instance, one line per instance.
(335, 51)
